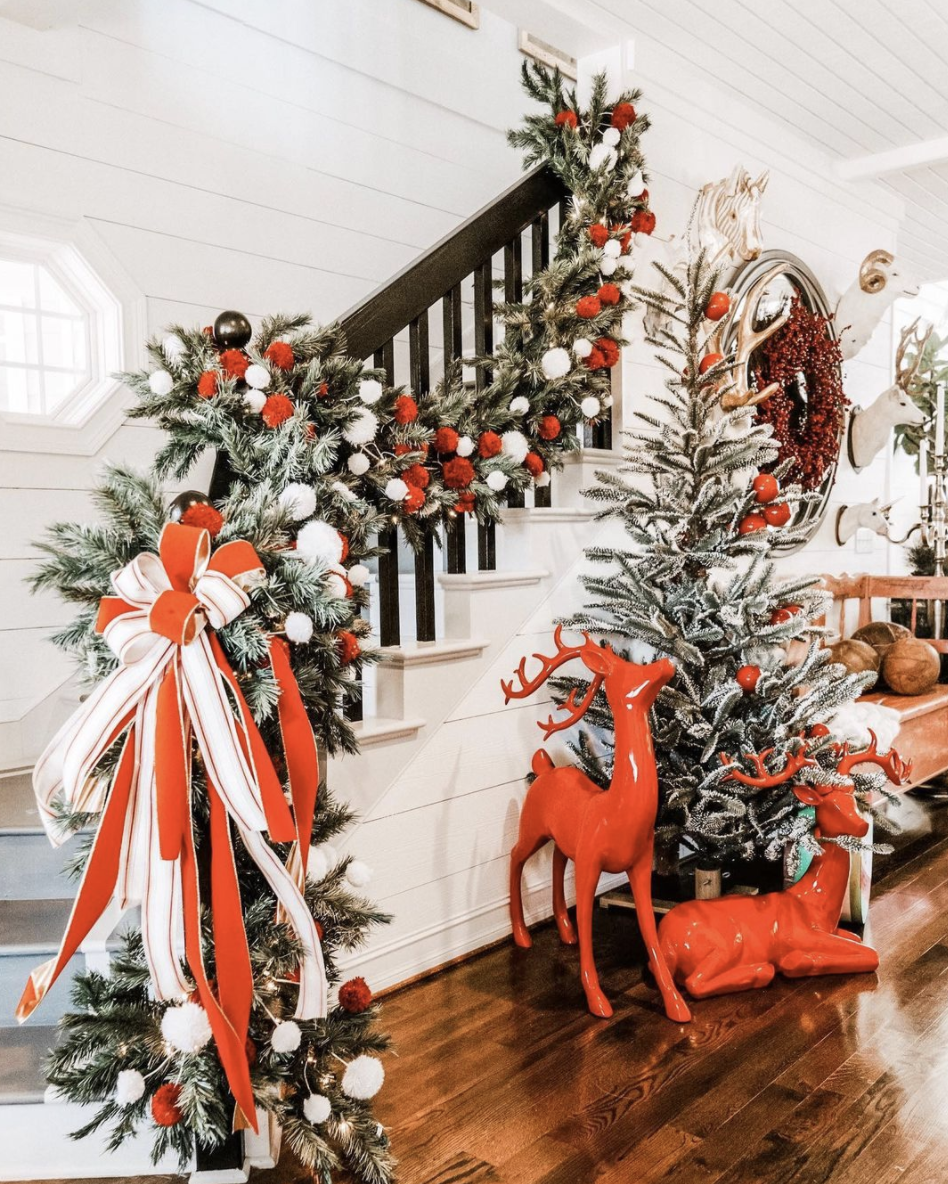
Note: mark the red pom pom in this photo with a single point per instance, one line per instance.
(778, 514)
(164, 1104)
(207, 384)
(417, 475)
(458, 473)
(445, 440)
(348, 646)
(609, 350)
(345, 546)
(208, 330)
(747, 678)
(609, 294)
(765, 487)
(708, 361)
(235, 363)
(549, 427)
(465, 503)
(403, 449)
(566, 119)
(280, 354)
(413, 500)
(719, 305)
(406, 409)
(588, 307)
(355, 996)
(752, 523)
(277, 409)
(203, 516)
(323, 390)
(250, 1052)
(598, 234)
(310, 431)
(622, 115)
(489, 444)
(533, 463)
(595, 359)
(643, 222)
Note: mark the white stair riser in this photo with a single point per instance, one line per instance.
(31, 869)
(426, 689)
(491, 613)
(14, 975)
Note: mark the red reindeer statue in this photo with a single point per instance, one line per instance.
(738, 943)
(601, 831)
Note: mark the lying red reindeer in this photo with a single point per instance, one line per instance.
(738, 943)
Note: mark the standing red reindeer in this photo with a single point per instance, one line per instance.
(738, 943)
(600, 830)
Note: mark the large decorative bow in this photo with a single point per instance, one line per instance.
(174, 687)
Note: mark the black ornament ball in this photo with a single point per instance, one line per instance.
(232, 330)
(184, 501)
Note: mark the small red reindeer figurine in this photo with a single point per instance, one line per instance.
(601, 831)
(738, 943)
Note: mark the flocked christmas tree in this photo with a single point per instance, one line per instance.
(701, 505)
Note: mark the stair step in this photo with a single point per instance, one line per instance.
(32, 869)
(546, 515)
(23, 1053)
(426, 653)
(18, 809)
(378, 730)
(30, 932)
(476, 580)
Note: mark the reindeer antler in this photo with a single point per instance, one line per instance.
(749, 339)
(890, 762)
(576, 710)
(564, 653)
(764, 780)
(906, 375)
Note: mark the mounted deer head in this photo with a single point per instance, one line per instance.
(869, 427)
(627, 684)
(837, 812)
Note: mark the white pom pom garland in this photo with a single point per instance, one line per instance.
(186, 1027)
(363, 428)
(320, 862)
(555, 363)
(173, 347)
(465, 446)
(299, 500)
(582, 347)
(636, 185)
(286, 1036)
(298, 628)
(363, 1077)
(160, 383)
(319, 540)
(370, 391)
(255, 401)
(590, 406)
(520, 405)
(257, 376)
(608, 265)
(343, 490)
(515, 444)
(612, 249)
(396, 489)
(603, 156)
(316, 1108)
(542, 481)
(337, 586)
(129, 1087)
(358, 464)
(358, 873)
(497, 480)
(358, 574)
(611, 136)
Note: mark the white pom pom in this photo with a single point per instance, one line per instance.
(625, 263)
(515, 444)
(316, 1108)
(286, 1037)
(173, 347)
(363, 1078)
(358, 464)
(465, 446)
(257, 376)
(636, 185)
(186, 1027)
(254, 401)
(319, 540)
(336, 586)
(370, 391)
(497, 480)
(556, 363)
(640, 238)
(160, 383)
(590, 406)
(363, 428)
(342, 490)
(582, 347)
(129, 1087)
(299, 500)
(612, 249)
(358, 574)
(298, 628)
(608, 265)
(320, 862)
(611, 136)
(520, 405)
(542, 481)
(603, 156)
(396, 489)
(358, 873)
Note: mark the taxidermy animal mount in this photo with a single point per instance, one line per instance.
(881, 281)
(609, 830)
(869, 427)
(864, 516)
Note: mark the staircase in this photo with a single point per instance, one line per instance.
(450, 622)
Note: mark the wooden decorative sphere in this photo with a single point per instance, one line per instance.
(880, 635)
(911, 666)
(856, 656)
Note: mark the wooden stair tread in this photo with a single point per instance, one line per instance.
(378, 729)
(424, 653)
(476, 580)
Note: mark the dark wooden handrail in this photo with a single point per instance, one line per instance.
(385, 312)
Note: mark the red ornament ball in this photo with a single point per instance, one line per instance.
(747, 678)
(280, 354)
(752, 523)
(588, 307)
(203, 516)
(778, 514)
(595, 359)
(708, 361)
(533, 463)
(458, 473)
(598, 234)
(718, 306)
(566, 119)
(622, 115)
(549, 427)
(445, 440)
(609, 294)
(785, 613)
(643, 222)
(277, 409)
(817, 731)
(347, 646)
(406, 410)
(417, 475)
(765, 487)
(164, 1104)
(489, 444)
(235, 363)
(207, 384)
(609, 350)
(413, 500)
(355, 996)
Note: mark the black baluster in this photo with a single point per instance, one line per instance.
(542, 497)
(389, 626)
(484, 344)
(540, 241)
(487, 547)
(455, 543)
(419, 368)
(454, 534)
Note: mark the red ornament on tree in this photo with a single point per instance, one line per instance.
(413, 500)
(533, 463)
(778, 514)
(164, 1104)
(598, 235)
(718, 306)
(708, 361)
(765, 487)
(609, 350)
(595, 359)
(643, 222)
(747, 678)
(566, 119)
(785, 613)
(549, 427)
(280, 354)
(355, 996)
(588, 307)
(465, 503)
(752, 523)
(609, 294)
(458, 473)
(622, 115)
(489, 444)
(417, 475)
(277, 409)
(235, 363)
(406, 410)
(205, 517)
(445, 440)
(348, 646)
(207, 384)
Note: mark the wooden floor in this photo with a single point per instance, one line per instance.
(503, 1077)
